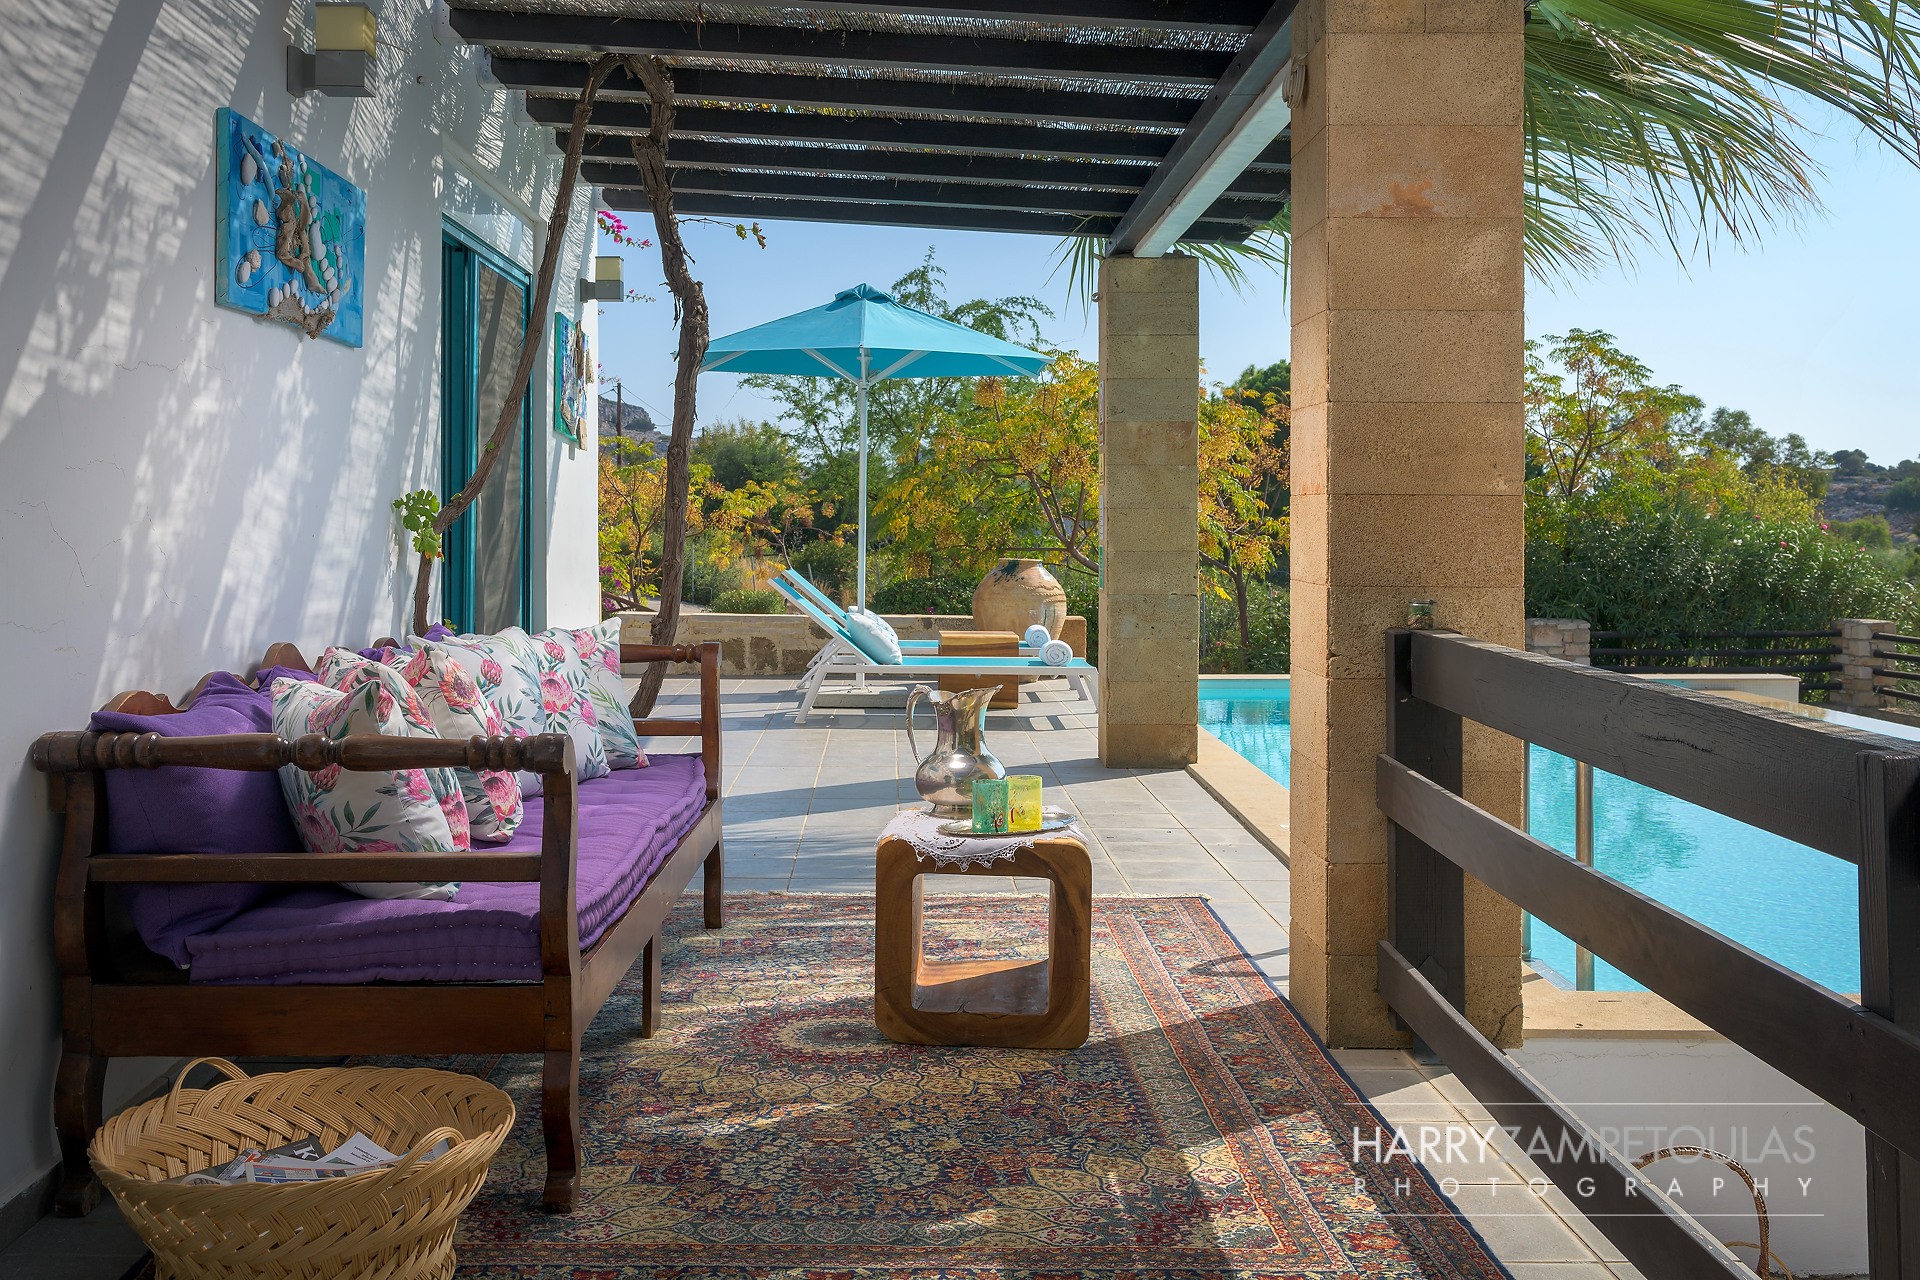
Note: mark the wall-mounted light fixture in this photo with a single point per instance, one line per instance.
(341, 64)
(608, 284)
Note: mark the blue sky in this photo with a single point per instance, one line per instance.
(1812, 330)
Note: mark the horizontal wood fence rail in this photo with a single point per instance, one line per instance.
(1639, 1217)
(1850, 794)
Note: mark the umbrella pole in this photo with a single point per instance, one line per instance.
(860, 573)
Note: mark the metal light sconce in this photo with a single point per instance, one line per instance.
(608, 283)
(341, 65)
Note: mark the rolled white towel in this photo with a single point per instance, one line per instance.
(1056, 653)
(1036, 637)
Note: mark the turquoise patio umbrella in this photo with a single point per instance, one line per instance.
(864, 336)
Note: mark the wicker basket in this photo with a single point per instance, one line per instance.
(385, 1224)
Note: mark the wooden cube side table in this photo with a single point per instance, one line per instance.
(1015, 1004)
(982, 644)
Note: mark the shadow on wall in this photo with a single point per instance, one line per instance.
(185, 484)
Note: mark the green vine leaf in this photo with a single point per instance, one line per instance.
(417, 512)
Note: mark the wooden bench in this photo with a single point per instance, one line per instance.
(113, 1007)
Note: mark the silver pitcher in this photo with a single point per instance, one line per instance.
(945, 777)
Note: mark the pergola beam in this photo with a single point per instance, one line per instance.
(698, 153)
(878, 50)
(1240, 119)
(1014, 171)
(980, 138)
(1250, 209)
(1167, 15)
(949, 218)
(1010, 104)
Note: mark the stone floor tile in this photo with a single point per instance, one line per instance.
(1518, 1226)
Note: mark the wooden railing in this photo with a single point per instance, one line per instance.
(1852, 795)
(1814, 656)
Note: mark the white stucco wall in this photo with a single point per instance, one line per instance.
(182, 484)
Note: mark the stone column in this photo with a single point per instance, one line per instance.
(1150, 511)
(1408, 451)
(1568, 639)
(1859, 687)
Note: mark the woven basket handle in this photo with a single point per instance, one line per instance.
(420, 1147)
(179, 1082)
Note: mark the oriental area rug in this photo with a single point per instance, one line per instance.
(769, 1130)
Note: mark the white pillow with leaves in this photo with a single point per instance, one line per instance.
(339, 810)
(598, 648)
(453, 701)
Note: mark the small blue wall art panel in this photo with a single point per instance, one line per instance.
(290, 235)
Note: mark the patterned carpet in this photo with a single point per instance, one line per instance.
(769, 1130)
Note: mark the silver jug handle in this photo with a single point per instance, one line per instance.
(919, 691)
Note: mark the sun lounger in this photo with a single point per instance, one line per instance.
(842, 655)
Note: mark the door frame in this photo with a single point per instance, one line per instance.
(462, 254)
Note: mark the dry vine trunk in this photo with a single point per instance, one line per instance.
(690, 308)
(529, 341)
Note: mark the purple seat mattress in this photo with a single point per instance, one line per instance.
(630, 821)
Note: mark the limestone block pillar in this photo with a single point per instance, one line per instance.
(1569, 639)
(1408, 451)
(1859, 687)
(1150, 511)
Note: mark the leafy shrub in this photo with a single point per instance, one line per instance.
(1904, 497)
(1268, 625)
(1871, 532)
(1672, 567)
(830, 566)
(1083, 600)
(934, 593)
(749, 600)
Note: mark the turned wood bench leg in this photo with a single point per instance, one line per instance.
(716, 907)
(650, 988)
(560, 1120)
(77, 1116)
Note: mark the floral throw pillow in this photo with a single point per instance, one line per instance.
(507, 669)
(598, 648)
(454, 704)
(345, 670)
(346, 811)
(563, 695)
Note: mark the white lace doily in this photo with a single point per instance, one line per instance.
(922, 830)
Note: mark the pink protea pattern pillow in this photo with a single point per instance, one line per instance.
(507, 668)
(564, 699)
(345, 670)
(598, 648)
(340, 810)
(458, 710)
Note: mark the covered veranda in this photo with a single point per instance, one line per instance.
(1393, 130)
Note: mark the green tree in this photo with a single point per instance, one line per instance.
(741, 451)
(1903, 499)
(1275, 380)
(1732, 431)
(1852, 462)
(1594, 411)
(1243, 457)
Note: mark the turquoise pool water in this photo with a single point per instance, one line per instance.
(1786, 901)
(1251, 716)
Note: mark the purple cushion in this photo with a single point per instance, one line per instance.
(190, 810)
(630, 821)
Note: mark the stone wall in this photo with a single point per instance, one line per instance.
(781, 644)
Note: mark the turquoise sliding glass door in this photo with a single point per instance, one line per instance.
(489, 549)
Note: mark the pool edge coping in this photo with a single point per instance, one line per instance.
(1258, 802)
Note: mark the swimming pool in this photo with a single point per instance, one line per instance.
(1786, 901)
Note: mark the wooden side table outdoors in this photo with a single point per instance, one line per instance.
(982, 644)
(1023, 1004)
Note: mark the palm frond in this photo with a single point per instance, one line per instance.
(1270, 246)
(1673, 121)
